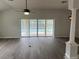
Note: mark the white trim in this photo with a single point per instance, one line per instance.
(68, 57)
(10, 37)
(61, 36)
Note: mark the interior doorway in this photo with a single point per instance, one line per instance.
(37, 27)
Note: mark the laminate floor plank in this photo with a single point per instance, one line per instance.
(32, 48)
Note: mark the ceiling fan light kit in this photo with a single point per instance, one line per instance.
(64, 1)
(26, 11)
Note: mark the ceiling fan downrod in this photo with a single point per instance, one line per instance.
(26, 11)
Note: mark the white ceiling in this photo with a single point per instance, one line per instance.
(33, 4)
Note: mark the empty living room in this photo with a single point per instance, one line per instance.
(39, 29)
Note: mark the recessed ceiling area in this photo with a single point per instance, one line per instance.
(34, 4)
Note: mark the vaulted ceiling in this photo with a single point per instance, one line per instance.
(33, 4)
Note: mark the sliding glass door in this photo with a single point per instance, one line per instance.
(49, 28)
(33, 27)
(41, 27)
(24, 27)
(37, 27)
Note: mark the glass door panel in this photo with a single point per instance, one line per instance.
(49, 27)
(24, 27)
(33, 27)
(41, 27)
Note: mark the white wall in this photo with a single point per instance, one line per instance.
(10, 22)
(77, 25)
(1, 24)
(60, 16)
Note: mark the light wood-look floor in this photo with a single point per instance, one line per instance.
(32, 48)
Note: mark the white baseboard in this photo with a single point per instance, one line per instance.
(61, 36)
(9, 37)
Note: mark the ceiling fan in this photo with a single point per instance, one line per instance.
(26, 11)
